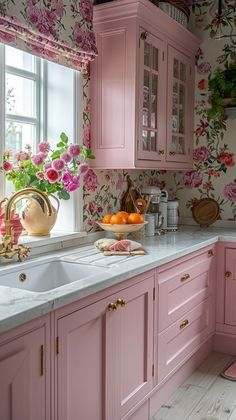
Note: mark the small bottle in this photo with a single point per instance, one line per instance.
(150, 226)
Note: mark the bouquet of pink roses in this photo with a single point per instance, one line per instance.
(51, 171)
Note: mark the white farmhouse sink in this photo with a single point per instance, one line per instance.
(45, 276)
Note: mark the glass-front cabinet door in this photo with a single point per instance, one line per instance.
(152, 98)
(179, 107)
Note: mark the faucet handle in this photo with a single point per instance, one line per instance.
(23, 252)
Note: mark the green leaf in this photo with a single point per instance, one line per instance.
(63, 195)
(64, 138)
(61, 144)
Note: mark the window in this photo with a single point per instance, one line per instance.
(39, 100)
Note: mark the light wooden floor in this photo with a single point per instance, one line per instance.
(204, 396)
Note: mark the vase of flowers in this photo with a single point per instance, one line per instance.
(58, 170)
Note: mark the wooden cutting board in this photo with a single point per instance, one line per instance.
(206, 211)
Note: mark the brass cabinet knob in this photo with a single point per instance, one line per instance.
(210, 253)
(228, 274)
(161, 152)
(112, 307)
(120, 303)
(185, 277)
(184, 324)
(171, 153)
(144, 35)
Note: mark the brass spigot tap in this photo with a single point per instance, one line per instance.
(7, 249)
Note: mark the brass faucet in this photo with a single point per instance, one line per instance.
(7, 249)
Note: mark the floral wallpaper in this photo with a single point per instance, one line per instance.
(214, 172)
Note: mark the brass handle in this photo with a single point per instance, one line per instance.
(120, 303)
(161, 152)
(210, 253)
(144, 35)
(171, 153)
(228, 274)
(185, 277)
(112, 307)
(184, 324)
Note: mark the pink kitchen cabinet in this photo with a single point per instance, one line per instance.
(142, 88)
(24, 378)
(104, 363)
(230, 287)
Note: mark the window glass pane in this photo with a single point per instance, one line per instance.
(19, 134)
(20, 96)
(176, 68)
(147, 54)
(19, 59)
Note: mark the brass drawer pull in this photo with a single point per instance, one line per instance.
(185, 277)
(161, 152)
(120, 303)
(172, 153)
(184, 324)
(210, 253)
(228, 274)
(112, 307)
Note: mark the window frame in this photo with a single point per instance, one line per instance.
(76, 201)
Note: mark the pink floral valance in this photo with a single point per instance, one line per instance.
(58, 30)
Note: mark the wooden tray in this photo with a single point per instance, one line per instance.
(206, 211)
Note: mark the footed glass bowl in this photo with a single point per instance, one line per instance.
(121, 231)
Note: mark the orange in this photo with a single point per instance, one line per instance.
(106, 218)
(135, 218)
(123, 214)
(118, 219)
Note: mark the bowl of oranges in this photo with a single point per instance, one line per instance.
(122, 223)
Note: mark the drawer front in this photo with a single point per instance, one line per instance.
(183, 292)
(181, 339)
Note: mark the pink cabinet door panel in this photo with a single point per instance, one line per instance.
(104, 366)
(22, 384)
(180, 106)
(181, 339)
(230, 287)
(81, 380)
(135, 344)
(152, 98)
(182, 292)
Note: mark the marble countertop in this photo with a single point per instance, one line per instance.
(18, 306)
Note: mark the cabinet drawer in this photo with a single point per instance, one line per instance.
(181, 339)
(183, 287)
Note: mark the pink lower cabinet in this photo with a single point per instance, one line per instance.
(23, 378)
(104, 364)
(183, 338)
(230, 287)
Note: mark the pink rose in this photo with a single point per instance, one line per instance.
(83, 168)
(7, 166)
(192, 179)
(66, 157)
(74, 150)
(72, 186)
(44, 146)
(7, 37)
(90, 181)
(204, 68)
(58, 164)
(230, 191)
(23, 156)
(40, 175)
(52, 176)
(91, 207)
(47, 165)
(66, 178)
(38, 159)
(201, 154)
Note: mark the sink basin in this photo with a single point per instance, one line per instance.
(47, 276)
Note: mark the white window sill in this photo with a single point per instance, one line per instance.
(56, 237)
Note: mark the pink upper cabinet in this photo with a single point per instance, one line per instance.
(142, 87)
